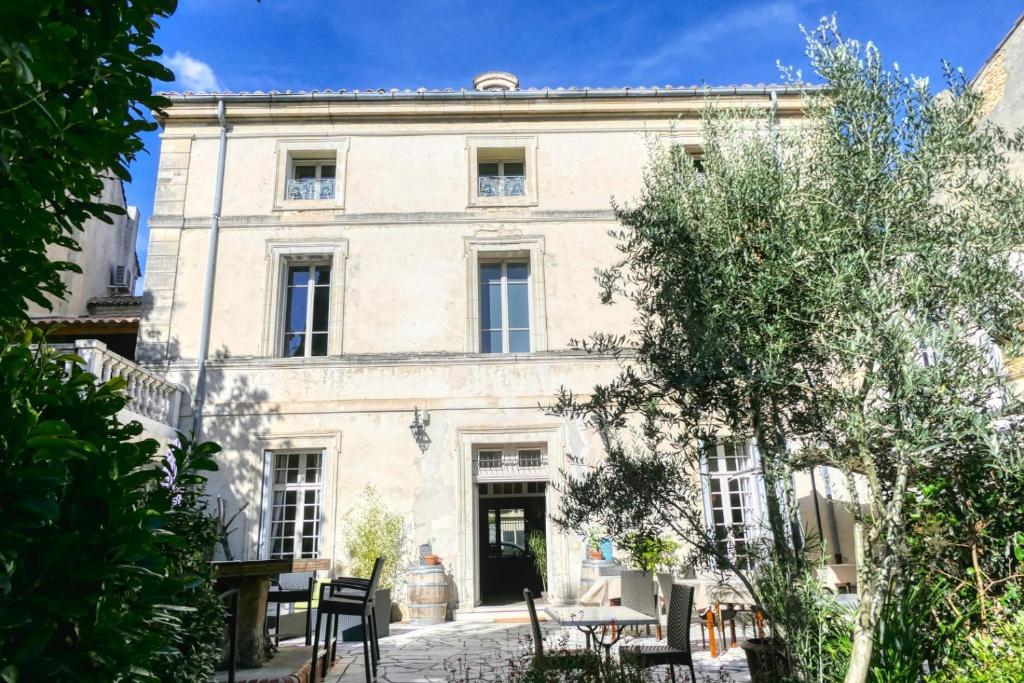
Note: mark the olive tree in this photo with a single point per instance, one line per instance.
(839, 291)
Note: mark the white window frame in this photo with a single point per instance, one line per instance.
(326, 150)
(528, 143)
(529, 249)
(318, 166)
(751, 474)
(279, 255)
(505, 328)
(301, 486)
(311, 287)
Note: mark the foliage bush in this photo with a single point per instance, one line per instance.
(84, 545)
(992, 655)
(814, 628)
(198, 637)
(649, 553)
(374, 531)
(75, 84)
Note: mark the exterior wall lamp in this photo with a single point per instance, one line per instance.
(418, 427)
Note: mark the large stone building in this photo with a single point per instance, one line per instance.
(398, 275)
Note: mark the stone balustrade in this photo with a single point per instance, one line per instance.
(149, 394)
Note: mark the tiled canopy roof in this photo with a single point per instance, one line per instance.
(123, 300)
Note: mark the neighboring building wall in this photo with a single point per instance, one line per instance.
(103, 246)
(1001, 84)
(404, 235)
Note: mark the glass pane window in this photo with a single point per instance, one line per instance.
(488, 459)
(307, 310)
(733, 496)
(501, 178)
(529, 457)
(311, 180)
(296, 505)
(505, 307)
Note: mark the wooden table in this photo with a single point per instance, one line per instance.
(252, 579)
(590, 619)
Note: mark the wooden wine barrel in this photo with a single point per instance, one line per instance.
(428, 595)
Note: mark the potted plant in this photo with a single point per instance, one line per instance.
(649, 552)
(594, 545)
(537, 544)
(376, 532)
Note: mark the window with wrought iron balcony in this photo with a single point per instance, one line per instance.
(500, 172)
(311, 180)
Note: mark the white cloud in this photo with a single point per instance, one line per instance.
(760, 17)
(191, 74)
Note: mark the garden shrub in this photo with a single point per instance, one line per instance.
(994, 655)
(83, 561)
(374, 531)
(201, 624)
(100, 566)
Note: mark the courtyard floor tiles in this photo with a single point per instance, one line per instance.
(468, 651)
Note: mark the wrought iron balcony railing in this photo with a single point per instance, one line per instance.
(494, 465)
(501, 185)
(310, 188)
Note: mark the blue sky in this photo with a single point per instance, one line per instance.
(306, 44)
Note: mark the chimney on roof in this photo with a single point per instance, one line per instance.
(495, 80)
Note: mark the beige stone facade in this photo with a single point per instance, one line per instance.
(406, 230)
(104, 247)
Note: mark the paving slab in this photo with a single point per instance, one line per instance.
(459, 652)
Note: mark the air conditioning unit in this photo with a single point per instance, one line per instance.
(121, 278)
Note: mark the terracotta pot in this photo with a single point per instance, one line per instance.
(431, 560)
(596, 555)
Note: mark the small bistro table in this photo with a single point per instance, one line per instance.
(252, 579)
(590, 619)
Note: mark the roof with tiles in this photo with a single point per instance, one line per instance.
(525, 93)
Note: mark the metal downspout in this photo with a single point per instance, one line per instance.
(211, 269)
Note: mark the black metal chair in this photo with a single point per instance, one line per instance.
(348, 597)
(665, 582)
(291, 589)
(230, 600)
(580, 661)
(677, 650)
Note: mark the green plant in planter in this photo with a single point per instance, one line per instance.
(537, 544)
(376, 532)
(648, 553)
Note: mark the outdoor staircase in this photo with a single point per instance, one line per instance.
(514, 613)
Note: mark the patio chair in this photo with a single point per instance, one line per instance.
(230, 600)
(291, 589)
(348, 597)
(665, 582)
(677, 650)
(638, 592)
(578, 661)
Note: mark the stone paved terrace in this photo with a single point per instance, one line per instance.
(473, 651)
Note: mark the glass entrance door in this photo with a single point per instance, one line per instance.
(506, 565)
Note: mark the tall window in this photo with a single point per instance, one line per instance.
(311, 180)
(295, 505)
(505, 307)
(307, 310)
(732, 487)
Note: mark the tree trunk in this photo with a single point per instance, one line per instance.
(863, 637)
